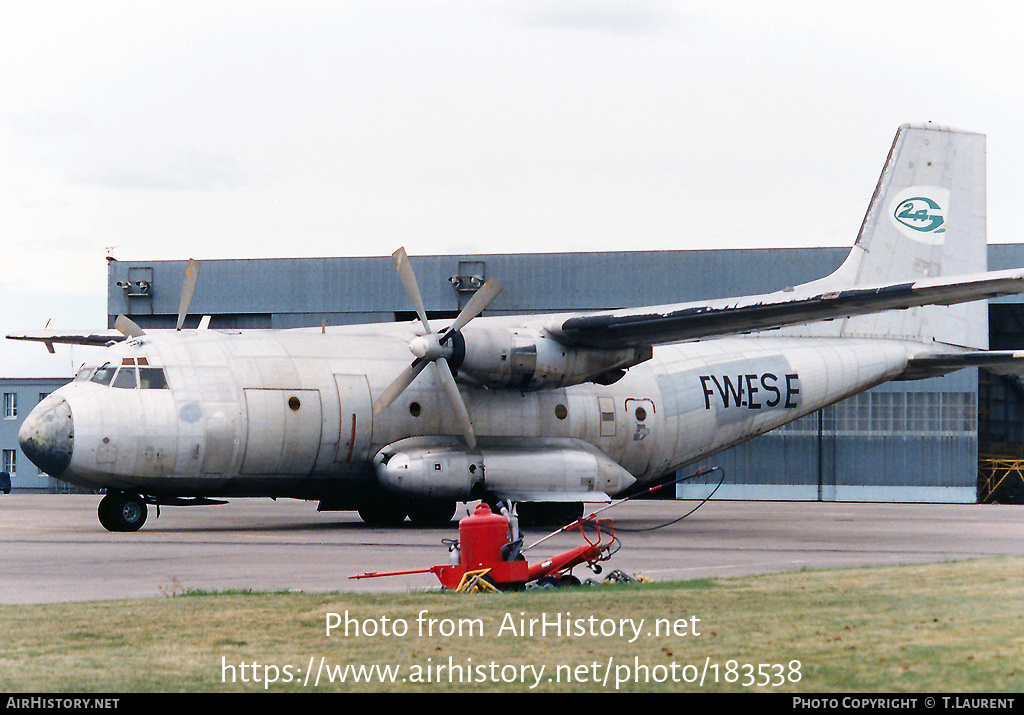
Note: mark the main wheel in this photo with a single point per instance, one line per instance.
(119, 511)
(382, 513)
(548, 513)
(431, 513)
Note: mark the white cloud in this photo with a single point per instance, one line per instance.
(184, 170)
(616, 17)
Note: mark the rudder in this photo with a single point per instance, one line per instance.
(926, 218)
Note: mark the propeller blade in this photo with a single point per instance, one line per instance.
(476, 305)
(128, 327)
(188, 289)
(408, 278)
(430, 351)
(444, 374)
(397, 387)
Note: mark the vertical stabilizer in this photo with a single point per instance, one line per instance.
(926, 219)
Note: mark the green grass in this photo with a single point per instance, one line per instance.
(950, 627)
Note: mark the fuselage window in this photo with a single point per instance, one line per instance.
(152, 378)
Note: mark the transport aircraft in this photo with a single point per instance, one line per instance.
(406, 420)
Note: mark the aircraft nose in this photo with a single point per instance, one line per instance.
(48, 434)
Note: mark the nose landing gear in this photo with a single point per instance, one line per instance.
(120, 511)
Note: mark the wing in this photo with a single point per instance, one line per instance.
(693, 321)
(62, 337)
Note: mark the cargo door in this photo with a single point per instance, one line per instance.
(283, 431)
(355, 421)
(220, 443)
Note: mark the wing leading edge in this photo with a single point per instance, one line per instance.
(696, 320)
(62, 337)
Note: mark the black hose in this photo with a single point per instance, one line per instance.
(676, 481)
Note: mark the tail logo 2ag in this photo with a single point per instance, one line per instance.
(920, 213)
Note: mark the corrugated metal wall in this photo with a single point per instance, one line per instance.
(293, 292)
(914, 441)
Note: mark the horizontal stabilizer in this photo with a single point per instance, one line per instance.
(693, 321)
(1003, 362)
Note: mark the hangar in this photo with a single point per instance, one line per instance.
(958, 438)
(929, 440)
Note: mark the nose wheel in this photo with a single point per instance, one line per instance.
(120, 511)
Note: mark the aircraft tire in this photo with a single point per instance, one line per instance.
(383, 514)
(431, 513)
(122, 512)
(548, 513)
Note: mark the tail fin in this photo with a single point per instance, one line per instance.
(926, 219)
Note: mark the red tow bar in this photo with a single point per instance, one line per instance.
(489, 558)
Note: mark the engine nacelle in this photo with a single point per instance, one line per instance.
(516, 469)
(527, 359)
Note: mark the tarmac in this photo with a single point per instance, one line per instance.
(54, 549)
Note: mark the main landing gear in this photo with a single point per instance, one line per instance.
(389, 511)
(554, 514)
(121, 511)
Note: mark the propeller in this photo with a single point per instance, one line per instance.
(434, 348)
(188, 289)
(130, 329)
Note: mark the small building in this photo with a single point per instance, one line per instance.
(20, 395)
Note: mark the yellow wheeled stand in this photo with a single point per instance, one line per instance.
(475, 582)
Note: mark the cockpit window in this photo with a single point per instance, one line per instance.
(152, 378)
(128, 377)
(103, 375)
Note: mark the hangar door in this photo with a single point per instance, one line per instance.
(283, 431)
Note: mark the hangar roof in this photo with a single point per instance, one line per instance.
(292, 292)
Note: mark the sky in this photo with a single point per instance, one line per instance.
(252, 129)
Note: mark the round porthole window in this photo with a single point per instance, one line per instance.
(293, 403)
(641, 414)
(414, 409)
(561, 412)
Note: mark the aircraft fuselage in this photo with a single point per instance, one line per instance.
(289, 413)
